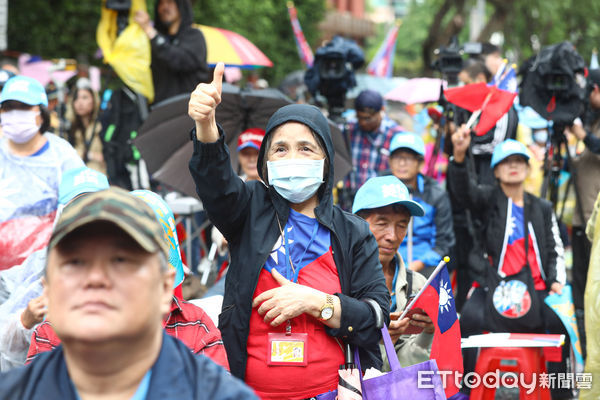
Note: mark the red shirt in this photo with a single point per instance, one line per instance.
(186, 322)
(324, 353)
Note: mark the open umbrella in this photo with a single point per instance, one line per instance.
(165, 146)
(232, 48)
(417, 90)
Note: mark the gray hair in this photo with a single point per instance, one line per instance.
(164, 263)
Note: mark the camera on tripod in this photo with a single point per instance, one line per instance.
(332, 73)
(449, 61)
(554, 84)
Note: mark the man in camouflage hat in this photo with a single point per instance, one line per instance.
(108, 288)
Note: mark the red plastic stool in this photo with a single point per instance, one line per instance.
(530, 360)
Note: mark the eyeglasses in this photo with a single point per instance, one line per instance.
(404, 158)
(366, 117)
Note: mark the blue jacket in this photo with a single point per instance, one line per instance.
(433, 233)
(177, 374)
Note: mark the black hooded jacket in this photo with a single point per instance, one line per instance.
(246, 214)
(179, 61)
(489, 204)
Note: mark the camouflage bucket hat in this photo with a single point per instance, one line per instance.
(115, 205)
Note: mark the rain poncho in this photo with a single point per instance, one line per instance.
(28, 197)
(592, 307)
(24, 284)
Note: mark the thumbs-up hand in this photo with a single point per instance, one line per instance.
(203, 103)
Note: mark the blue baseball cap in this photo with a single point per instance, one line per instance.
(408, 140)
(80, 180)
(382, 191)
(368, 100)
(24, 89)
(506, 149)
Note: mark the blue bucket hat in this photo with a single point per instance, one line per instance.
(506, 149)
(529, 117)
(382, 191)
(408, 140)
(24, 89)
(80, 180)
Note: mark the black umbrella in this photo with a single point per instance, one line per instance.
(164, 131)
(165, 146)
(241, 109)
(168, 125)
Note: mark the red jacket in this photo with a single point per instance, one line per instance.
(186, 322)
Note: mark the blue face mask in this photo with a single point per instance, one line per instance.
(540, 136)
(296, 180)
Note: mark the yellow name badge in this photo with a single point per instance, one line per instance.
(287, 349)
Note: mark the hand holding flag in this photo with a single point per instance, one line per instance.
(437, 300)
(487, 101)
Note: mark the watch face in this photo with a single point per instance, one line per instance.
(327, 313)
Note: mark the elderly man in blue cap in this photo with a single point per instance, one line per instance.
(384, 202)
(431, 236)
(369, 137)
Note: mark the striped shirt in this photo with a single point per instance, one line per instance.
(186, 322)
(369, 151)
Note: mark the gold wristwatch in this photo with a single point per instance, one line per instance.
(327, 309)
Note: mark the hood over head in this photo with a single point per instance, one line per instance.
(185, 11)
(312, 117)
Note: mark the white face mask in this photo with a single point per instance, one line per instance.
(19, 125)
(296, 180)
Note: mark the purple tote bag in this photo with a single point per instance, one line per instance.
(402, 383)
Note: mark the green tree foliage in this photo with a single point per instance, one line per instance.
(523, 23)
(67, 28)
(53, 28)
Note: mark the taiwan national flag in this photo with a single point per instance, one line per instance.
(382, 64)
(438, 302)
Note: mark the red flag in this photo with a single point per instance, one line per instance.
(493, 100)
(438, 302)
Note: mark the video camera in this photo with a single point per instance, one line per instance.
(332, 73)
(554, 84)
(449, 61)
(122, 7)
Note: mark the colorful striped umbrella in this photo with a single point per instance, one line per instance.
(232, 48)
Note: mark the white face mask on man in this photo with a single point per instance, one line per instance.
(19, 126)
(296, 180)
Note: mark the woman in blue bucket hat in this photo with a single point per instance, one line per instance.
(519, 230)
